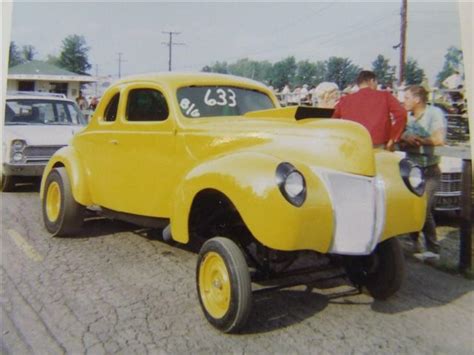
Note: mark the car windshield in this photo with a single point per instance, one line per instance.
(212, 101)
(42, 112)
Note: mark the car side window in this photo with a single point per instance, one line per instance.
(146, 105)
(111, 109)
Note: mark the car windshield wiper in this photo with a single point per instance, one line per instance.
(59, 123)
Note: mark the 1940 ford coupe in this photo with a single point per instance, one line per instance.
(214, 159)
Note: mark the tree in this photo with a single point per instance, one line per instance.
(413, 73)
(305, 73)
(283, 72)
(244, 67)
(453, 60)
(73, 56)
(14, 55)
(252, 69)
(383, 70)
(28, 52)
(341, 71)
(52, 59)
(319, 72)
(220, 67)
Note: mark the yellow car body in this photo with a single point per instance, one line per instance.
(355, 195)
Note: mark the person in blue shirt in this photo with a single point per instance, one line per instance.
(426, 126)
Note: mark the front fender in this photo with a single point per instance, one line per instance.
(69, 158)
(405, 212)
(249, 181)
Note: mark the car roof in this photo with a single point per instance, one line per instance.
(178, 79)
(36, 97)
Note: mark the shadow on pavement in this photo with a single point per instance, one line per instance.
(280, 309)
(99, 227)
(26, 187)
(424, 287)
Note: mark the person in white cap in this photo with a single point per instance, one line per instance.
(327, 94)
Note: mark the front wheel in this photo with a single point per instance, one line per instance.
(223, 284)
(382, 272)
(62, 215)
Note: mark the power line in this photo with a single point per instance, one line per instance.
(170, 45)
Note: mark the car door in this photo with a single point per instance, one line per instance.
(97, 144)
(142, 153)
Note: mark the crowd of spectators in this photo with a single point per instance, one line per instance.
(400, 115)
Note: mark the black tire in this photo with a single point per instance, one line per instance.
(70, 216)
(382, 272)
(235, 315)
(8, 183)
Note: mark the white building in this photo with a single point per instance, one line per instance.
(44, 77)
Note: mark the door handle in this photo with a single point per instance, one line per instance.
(113, 141)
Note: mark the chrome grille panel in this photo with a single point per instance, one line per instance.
(40, 154)
(358, 204)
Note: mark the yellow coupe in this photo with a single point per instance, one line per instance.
(215, 160)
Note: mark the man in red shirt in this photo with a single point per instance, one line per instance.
(375, 110)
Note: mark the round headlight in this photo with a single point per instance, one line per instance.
(291, 183)
(416, 177)
(18, 145)
(412, 176)
(294, 184)
(17, 157)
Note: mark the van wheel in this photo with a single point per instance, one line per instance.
(381, 272)
(8, 183)
(223, 284)
(62, 215)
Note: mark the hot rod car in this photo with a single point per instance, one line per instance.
(215, 159)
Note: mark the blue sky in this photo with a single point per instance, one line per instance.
(229, 31)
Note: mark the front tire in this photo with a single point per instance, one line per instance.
(62, 215)
(8, 183)
(382, 272)
(223, 284)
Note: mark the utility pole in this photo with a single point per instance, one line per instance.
(403, 39)
(120, 61)
(96, 77)
(170, 45)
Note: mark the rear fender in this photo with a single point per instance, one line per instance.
(69, 158)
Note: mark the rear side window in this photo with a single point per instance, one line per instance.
(111, 109)
(146, 105)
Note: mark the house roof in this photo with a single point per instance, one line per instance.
(38, 70)
(36, 67)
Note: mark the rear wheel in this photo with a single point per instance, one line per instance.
(8, 183)
(62, 215)
(223, 283)
(382, 272)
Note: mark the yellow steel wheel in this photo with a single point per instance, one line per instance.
(223, 284)
(53, 201)
(62, 215)
(214, 285)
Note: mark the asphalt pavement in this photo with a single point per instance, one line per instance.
(118, 288)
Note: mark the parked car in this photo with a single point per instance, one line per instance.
(213, 159)
(36, 126)
(448, 193)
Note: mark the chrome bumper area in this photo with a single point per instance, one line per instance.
(358, 204)
(23, 169)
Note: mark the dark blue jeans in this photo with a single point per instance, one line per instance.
(432, 178)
